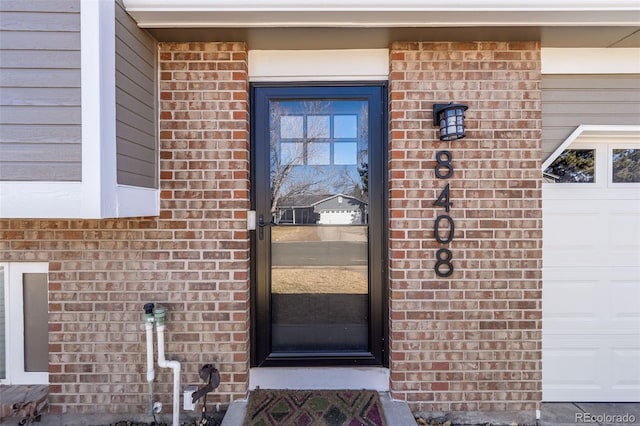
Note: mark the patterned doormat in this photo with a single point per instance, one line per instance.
(314, 407)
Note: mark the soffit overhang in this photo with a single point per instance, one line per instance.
(381, 13)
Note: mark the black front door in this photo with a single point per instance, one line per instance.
(318, 158)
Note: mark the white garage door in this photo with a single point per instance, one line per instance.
(591, 290)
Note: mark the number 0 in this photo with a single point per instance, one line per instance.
(436, 229)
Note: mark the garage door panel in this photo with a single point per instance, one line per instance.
(626, 369)
(624, 237)
(591, 367)
(585, 297)
(591, 291)
(624, 302)
(591, 233)
(570, 364)
(575, 300)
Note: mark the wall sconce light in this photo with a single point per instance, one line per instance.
(450, 118)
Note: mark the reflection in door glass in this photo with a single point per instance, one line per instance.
(319, 288)
(319, 153)
(319, 241)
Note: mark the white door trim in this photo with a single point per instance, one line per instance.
(319, 65)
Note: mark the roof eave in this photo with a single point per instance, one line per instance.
(379, 13)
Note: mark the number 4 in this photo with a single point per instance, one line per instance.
(444, 199)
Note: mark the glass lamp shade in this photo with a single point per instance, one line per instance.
(450, 118)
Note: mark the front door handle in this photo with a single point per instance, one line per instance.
(261, 226)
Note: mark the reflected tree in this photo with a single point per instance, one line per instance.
(302, 162)
(573, 165)
(626, 165)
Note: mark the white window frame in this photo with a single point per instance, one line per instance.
(14, 324)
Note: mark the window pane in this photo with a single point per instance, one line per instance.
(626, 165)
(319, 153)
(346, 153)
(318, 126)
(35, 309)
(292, 153)
(292, 127)
(3, 349)
(346, 126)
(573, 166)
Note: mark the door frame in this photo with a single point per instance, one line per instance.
(260, 331)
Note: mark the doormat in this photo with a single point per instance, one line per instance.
(314, 407)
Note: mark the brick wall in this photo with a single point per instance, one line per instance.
(193, 258)
(471, 341)
(468, 342)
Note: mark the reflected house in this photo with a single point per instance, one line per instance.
(338, 209)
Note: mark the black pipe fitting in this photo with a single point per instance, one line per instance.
(148, 308)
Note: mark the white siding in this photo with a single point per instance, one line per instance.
(40, 132)
(136, 147)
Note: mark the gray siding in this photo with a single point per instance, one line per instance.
(571, 100)
(137, 150)
(40, 135)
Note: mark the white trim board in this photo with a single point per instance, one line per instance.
(319, 65)
(372, 378)
(590, 60)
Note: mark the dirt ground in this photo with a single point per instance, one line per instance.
(292, 233)
(319, 280)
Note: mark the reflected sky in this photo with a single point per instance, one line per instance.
(318, 147)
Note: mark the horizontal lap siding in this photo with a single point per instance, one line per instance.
(40, 133)
(472, 341)
(136, 123)
(571, 100)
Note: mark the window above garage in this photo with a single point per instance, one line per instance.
(601, 156)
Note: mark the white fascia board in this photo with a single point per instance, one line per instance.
(383, 5)
(590, 60)
(587, 130)
(380, 13)
(319, 65)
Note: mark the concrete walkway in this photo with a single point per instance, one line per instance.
(398, 414)
(604, 414)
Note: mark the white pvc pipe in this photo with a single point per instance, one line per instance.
(175, 366)
(151, 373)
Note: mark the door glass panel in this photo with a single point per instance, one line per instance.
(319, 233)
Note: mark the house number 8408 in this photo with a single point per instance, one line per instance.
(444, 170)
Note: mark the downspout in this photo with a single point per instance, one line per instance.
(151, 373)
(159, 313)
